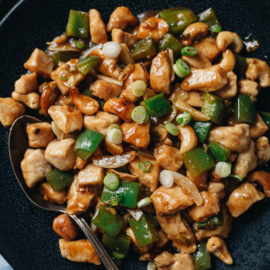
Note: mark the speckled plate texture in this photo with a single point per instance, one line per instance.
(27, 240)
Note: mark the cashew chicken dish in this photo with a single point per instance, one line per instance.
(150, 129)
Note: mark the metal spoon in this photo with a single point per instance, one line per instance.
(18, 144)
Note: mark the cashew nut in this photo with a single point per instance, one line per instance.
(158, 133)
(217, 246)
(197, 61)
(226, 38)
(85, 104)
(262, 178)
(48, 97)
(188, 138)
(32, 100)
(218, 188)
(228, 61)
(194, 31)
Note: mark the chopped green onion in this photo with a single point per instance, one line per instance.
(115, 136)
(111, 181)
(138, 88)
(216, 30)
(181, 238)
(223, 169)
(145, 201)
(140, 115)
(181, 68)
(237, 177)
(63, 78)
(86, 63)
(166, 178)
(118, 255)
(172, 128)
(145, 166)
(114, 202)
(183, 119)
(111, 127)
(79, 44)
(37, 131)
(190, 51)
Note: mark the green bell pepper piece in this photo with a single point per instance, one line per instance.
(240, 65)
(58, 179)
(202, 130)
(244, 110)
(220, 152)
(178, 18)
(266, 118)
(209, 17)
(63, 57)
(144, 48)
(202, 257)
(86, 63)
(120, 243)
(128, 191)
(198, 162)
(152, 218)
(144, 231)
(214, 107)
(169, 41)
(157, 105)
(86, 143)
(212, 222)
(78, 24)
(107, 222)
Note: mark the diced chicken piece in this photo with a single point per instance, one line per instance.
(246, 161)
(181, 261)
(39, 135)
(168, 158)
(115, 149)
(51, 195)
(61, 154)
(230, 89)
(34, 167)
(258, 128)
(208, 47)
(61, 135)
(197, 61)
(149, 179)
(138, 73)
(243, 198)
(10, 110)
(79, 199)
(26, 84)
(263, 149)
(140, 250)
(105, 90)
(66, 118)
(218, 188)
(205, 80)
(221, 231)
(120, 36)
(121, 18)
(40, 63)
(178, 230)
(120, 106)
(136, 134)
(153, 27)
(167, 201)
(160, 73)
(235, 138)
(107, 65)
(200, 181)
(257, 69)
(97, 27)
(79, 251)
(162, 239)
(64, 79)
(91, 175)
(64, 227)
(248, 87)
(209, 207)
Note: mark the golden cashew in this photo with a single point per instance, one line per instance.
(194, 31)
(158, 133)
(226, 38)
(228, 61)
(218, 188)
(217, 246)
(262, 178)
(48, 97)
(32, 100)
(86, 105)
(197, 61)
(188, 138)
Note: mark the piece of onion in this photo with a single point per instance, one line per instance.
(63, 48)
(111, 49)
(170, 53)
(87, 52)
(114, 161)
(166, 178)
(108, 79)
(125, 56)
(178, 93)
(188, 187)
(136, 213)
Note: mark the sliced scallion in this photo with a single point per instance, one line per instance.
(183, 119)
(115, 136)
(140, 115)
(145, 201)
(111, 181)
(181, 68)
(145, 166)
(190, 51)
(237, 177)
(172, 128)
(112, 127)
(223, 169)
(138, 88)
(118, 255)
(216, 30)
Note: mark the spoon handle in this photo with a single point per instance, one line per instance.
(103, 255)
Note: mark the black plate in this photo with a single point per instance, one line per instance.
(27, 240)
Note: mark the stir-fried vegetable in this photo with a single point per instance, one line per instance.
(223, 169)
(144, 48)
(140, 115)
(172, 128)
(181, 68)
(202, 130)
(240, 65)
(202, 257)
(78, 24)
(209, 17)
(111, 182)
(144, 202)
(212, 222)
(220, 152)
(166, 178)
(190, 51)
(170, 41)
(58, 179)
(86, 63)
(183, 119)
(145, 166)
